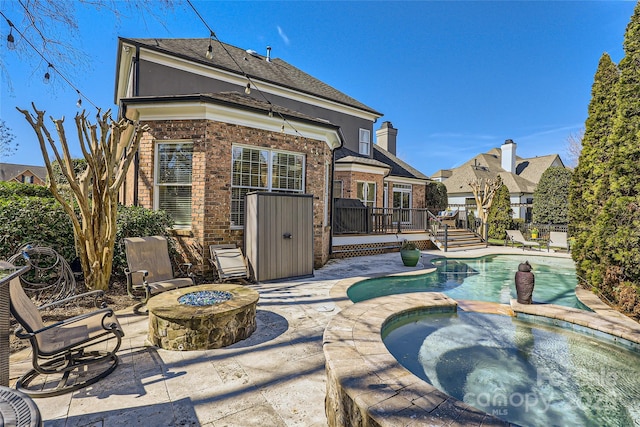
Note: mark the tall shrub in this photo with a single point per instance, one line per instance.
(590, 180)
(500, 215)
(437, 198)
(551, 197)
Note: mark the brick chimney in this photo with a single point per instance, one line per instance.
(386, 137)
(508, 161)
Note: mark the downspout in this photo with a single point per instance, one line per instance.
(136, 92)
(333, 171)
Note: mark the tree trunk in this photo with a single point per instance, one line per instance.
(108, 155)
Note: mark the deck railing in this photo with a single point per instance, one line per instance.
(366, 220)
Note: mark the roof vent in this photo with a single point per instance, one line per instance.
(253, 53)
(268, 53)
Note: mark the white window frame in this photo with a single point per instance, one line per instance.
(364, 141)
(269, 187)
(365, 193)
(158, 185)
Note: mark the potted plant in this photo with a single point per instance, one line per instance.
(534, 233)
(409, 253)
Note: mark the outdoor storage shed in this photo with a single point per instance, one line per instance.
(279, 235)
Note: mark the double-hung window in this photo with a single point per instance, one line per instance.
(365, 142)
(173, 181)
(259, 169)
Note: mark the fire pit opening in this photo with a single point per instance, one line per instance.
(204, 298)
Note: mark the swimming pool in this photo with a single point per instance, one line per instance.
(489, 278)
(523, 372)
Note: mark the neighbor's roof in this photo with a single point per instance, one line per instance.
(9, 171)
(488, 166)
(227, 57)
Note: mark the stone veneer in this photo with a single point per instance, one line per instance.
(175, 326)
(366, 386)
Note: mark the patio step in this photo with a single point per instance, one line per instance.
(459, 240)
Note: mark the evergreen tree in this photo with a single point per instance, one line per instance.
(590, 180)
(437, 199)
(500, 216)
(617, 227)
(551, 198)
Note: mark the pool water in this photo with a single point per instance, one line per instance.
(523, 372)
(489, 278)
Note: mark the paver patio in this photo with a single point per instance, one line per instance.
(276, 377)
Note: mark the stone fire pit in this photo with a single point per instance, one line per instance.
(202, 317)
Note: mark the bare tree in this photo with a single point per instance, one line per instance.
(51, 28)
(7, 147)
(108, 148)
(483, 191)
(574, 147)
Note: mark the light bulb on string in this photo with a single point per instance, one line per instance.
(270, 112)
(209, 53)
(47, 77)
(79, 103)
(247, 89)
(11, 41)
(282, 128)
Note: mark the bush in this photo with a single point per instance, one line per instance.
(35, 220)
(17, 189)
(135, 221)
(436, 197)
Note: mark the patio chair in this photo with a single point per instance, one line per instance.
(515, 236)
(62, 359)
(149, 269)
(228, 262)
(558, 239)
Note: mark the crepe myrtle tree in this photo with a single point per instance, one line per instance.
(108, 146)
(484, 190)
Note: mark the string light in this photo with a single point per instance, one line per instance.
(247, 89)
(209, 53)
(282, 128)
(47, 77)
(11, 41)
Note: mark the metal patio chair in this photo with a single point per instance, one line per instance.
(69, 354)
(229, 262)
(149, 270)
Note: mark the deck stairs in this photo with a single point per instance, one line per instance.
(458, 239)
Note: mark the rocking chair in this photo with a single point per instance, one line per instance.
(62, 360)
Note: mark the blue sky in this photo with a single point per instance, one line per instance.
(455, 78)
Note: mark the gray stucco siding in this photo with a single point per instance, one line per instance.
(159, 80)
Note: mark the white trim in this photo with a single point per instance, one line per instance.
(156, 192)
(200, 110)
(358, 167)
(265, 87)
(402, 180)
(124, 78)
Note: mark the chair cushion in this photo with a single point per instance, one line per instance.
(166, 285)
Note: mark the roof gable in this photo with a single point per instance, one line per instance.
(9, 171)
(236, 61)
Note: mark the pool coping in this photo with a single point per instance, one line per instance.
(367, 386)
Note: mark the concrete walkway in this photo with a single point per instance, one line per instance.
(274, 378)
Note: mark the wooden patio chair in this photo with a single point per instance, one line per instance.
(69, 354)
(149, 270)
(515, 236)
(229, 263)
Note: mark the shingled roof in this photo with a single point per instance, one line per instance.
(227, 57)
(381, 158)
(10, 171)
(488, 165)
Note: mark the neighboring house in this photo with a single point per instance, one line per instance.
(26, 174)
(221, 127)
(520, 175)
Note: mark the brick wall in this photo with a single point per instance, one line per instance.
(211, 180)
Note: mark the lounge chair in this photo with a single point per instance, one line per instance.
(515, 236)
(149, 269)
(228, 262)
(62, 361)
(558, 239)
